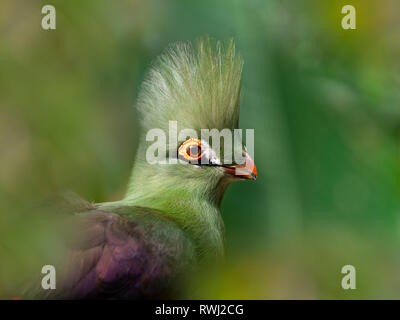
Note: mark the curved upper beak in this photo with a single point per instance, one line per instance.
(246, 170)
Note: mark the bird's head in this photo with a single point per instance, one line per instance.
(189, 105)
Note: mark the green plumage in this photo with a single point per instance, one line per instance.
(169, 221)
(199, 87)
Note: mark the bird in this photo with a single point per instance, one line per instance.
(169, 223)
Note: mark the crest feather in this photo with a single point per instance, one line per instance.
(199, 87)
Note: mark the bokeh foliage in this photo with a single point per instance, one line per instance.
(324, 103)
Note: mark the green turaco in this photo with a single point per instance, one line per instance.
(169, 222)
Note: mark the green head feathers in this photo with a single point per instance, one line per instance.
(199, 87)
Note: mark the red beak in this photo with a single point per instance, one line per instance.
(247, 170)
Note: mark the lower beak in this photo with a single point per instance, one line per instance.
(247, 170)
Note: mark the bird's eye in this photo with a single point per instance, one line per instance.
(190, 150)
(193, 151)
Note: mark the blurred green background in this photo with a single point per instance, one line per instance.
(324, 103)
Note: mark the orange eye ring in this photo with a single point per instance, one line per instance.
(190, 150)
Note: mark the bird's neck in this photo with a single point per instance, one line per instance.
(195, 207)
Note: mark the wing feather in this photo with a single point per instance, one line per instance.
(114, 255)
